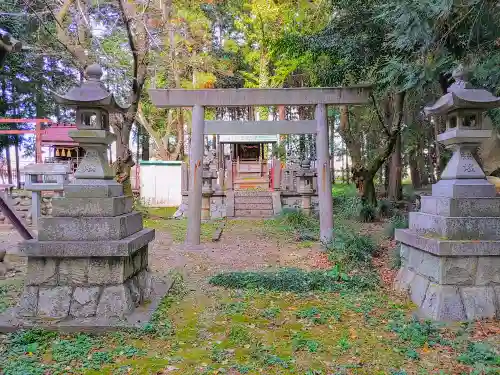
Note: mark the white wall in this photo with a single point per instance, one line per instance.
(161, 183)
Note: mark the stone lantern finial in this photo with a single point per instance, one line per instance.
(94, 72)
(461, 76)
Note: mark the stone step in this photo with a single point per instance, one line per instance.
(464, 207)
(254, 213)
(254, 206)
(254, 200)
(455, 228)
(252, 193)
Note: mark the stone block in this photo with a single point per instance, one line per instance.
(488, 270)
(135, 293)
(115, 301)
(137, 261)
(84, 302)
(145, 258)
(467, 188)
(443, 303)
(54, 302)
(456, 228)
(418, 288)
(41, 271)
(230, 203)
(123, 247)
(145, 283)
(448, 247)
(276, 197)
(28, 302)
(403, 279)
(404, 253)
(458, 271)
(443, 270)
(479, 302)
(104, 271)
(89, 188)
(89, 228)
(91, 207)
(73, 271)
(424, 263)
(465, 207)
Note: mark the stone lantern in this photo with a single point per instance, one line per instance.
(450, 255)
(89, 265)
(463, 107)
(207, 190)
(305, 184)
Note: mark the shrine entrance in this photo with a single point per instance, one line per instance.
(249, 160)
(249, 164)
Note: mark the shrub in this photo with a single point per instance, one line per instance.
(367, 213)
(350, 247)
(398, 221)
(347, 207)
(293, 280)
(385, 208)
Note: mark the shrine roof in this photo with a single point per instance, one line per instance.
(57, 134)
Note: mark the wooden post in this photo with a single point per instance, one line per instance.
(195, 183)
(324, 175)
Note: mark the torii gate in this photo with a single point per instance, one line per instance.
(319, 97)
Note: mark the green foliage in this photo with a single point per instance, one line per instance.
(271, 312)
(348, 207)
(480, 354)
(238, 334)
(293, 280)
(418, 333)
(64, 352)
(385, 208)
(398, 221)
(349, 247)
(313, 314)
(344, 190)
(367, 213)
(300, 342)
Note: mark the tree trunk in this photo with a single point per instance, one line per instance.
(395, 191)
(386, 177)
(415, 171)
(145, 146)
(122, 147)
(18, 171)
(369, 196)
(9, 165)
(423, 171)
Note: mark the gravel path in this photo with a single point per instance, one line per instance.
(241, 247)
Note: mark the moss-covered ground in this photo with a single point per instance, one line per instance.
(251, 330)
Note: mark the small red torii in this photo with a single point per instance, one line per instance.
(38, 131)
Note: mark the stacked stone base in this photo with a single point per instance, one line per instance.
(450, 280)
(66, 288)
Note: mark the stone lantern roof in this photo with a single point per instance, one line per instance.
(91, 93)
(461, 95)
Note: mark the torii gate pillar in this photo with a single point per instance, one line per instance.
(324, 175)
(195, 166)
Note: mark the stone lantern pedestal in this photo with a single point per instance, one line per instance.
(206, 189)
(88, 269)
(451, 252)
